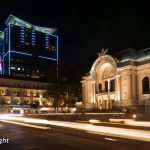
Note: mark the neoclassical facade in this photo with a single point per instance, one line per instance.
(119, 81)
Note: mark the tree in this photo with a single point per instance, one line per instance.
(54, 89)
(70, 76)
(66, 87)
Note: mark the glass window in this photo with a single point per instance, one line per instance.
(145, 85)
(106, 86)
(112, 85)
(100, 88)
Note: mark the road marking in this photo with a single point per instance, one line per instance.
(27, 125)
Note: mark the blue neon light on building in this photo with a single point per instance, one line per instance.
(28, 47)
(1, 49)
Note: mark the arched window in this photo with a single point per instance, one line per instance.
(100, 88)
(112, 85)
(106, 86)
(145, 85)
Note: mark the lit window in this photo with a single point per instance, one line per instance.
(26, 43)
(13, 68)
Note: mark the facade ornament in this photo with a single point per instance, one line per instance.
(87, 74)
(103, 52)
(147, 74)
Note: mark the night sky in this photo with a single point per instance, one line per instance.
(85, 27)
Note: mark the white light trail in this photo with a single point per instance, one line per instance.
(101, 130)
(94, 121)
(111, 139)
(138, 123)
(120, 120)
(27, 125)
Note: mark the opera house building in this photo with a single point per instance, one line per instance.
(121, 81)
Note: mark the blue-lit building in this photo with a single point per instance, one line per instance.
(28, 50)
(1, 41)
(1, 49)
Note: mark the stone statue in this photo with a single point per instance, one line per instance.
(87, 74)
(103, 52)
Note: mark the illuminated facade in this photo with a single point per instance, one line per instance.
(26, 53)
(121, 81)
(28, 50)
(1, 41)
(18, 93)
(1, 49)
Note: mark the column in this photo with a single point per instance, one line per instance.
(108, 95)
(117, 88)
(88, 92)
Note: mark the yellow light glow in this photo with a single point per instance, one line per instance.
(106, 65)
(134, 116)
(94, 121)
(44, 108)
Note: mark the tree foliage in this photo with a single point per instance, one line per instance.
(66, 86)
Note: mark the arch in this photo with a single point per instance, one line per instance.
(145, 85)
(104, 67)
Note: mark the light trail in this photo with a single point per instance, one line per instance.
(27, 125)
(110, 139)
(131, 122)
(101, 114)
(11, 115)
(94, 121)
(138, 123)
(120, 120)
(101, 130)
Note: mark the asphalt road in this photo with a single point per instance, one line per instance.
(21, 137)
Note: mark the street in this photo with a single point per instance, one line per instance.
(21, 137)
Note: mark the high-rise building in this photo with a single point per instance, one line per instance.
(28, 50)
(1, 49)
